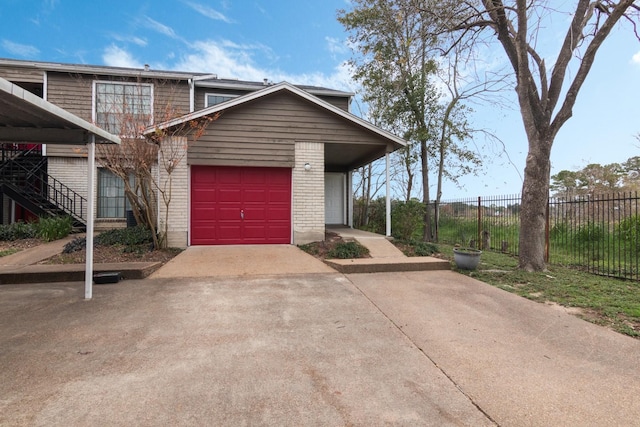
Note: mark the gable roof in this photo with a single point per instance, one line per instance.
(199, 79)
(280, 87)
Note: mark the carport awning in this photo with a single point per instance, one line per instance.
(28, 119)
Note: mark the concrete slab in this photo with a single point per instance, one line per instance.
(386, 265)
(523, 363)
(242, 260)
(282, 351)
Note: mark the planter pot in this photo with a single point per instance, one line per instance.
(466, 258)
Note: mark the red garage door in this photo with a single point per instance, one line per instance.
(240, 205)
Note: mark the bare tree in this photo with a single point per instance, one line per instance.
(135, 160)
(546, 101)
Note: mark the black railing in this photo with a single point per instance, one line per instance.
(599, 233)
(25, 171)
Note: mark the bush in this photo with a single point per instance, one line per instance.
(17, 230)
(346, 250)
(407, 219)
(424, 248)
(131, 236)
(54, 228)
(77, 244)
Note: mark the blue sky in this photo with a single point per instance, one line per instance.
(301, 42)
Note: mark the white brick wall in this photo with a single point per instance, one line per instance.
(72, 172)
(308, 193)
(178, 218)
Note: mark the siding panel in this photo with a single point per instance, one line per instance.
(265, 131)
(22, 75)
(74, 93)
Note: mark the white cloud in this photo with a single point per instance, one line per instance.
(114, 56)
(636, 58)
(130, 39)
(160, 28)
(334, 45)
(208, 12)
(231, 60)
(18, 49)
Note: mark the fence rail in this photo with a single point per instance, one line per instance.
(600, 233)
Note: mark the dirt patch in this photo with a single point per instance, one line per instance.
(101, 254)
(321, 249)
(114, 254)
(20, 244)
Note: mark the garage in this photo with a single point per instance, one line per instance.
(240, 205)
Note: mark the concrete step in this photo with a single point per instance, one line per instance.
(387, 265)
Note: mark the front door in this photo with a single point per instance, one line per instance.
(334, 199)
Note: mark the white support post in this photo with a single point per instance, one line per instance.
(350, 196)
(91, 175)
(388, 221)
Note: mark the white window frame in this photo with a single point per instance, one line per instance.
(208, 94)
(94, 109)
(100, 196)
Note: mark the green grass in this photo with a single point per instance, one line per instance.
(7, 252)
(614, 303)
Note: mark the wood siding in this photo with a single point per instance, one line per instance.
(74, 93)
(22, 75)
(264, 133)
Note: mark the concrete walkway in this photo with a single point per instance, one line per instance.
(385, 256)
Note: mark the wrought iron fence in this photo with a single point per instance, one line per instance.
(599, 233)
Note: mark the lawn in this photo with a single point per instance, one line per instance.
(614, 303)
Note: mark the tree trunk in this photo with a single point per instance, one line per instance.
(426, 235)
(535, 197)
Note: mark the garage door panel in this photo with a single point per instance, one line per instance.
(220, 194)
(256, 196)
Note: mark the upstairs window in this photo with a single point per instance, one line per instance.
(123, 108)
(216, 98)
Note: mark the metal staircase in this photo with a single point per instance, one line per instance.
(24, 179)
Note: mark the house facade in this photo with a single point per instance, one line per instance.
(273, 167)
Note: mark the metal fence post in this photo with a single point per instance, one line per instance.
(546, 233)
(479, 223)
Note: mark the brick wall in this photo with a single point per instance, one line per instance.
(72, 172)
(178, 218)
(308, 193)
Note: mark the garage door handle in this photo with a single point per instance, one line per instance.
(241, 214)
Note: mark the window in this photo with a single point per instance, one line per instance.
(216, 98)
(123, 108)
(112, 202)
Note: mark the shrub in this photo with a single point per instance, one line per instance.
(17, 230)
(131, 236)
(346, 250)
(54, 228)
(407, 219)
(77, 244)
(424, 248)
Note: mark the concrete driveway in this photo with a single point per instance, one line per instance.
(277, 346)
(522, 362)
(280, 350)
